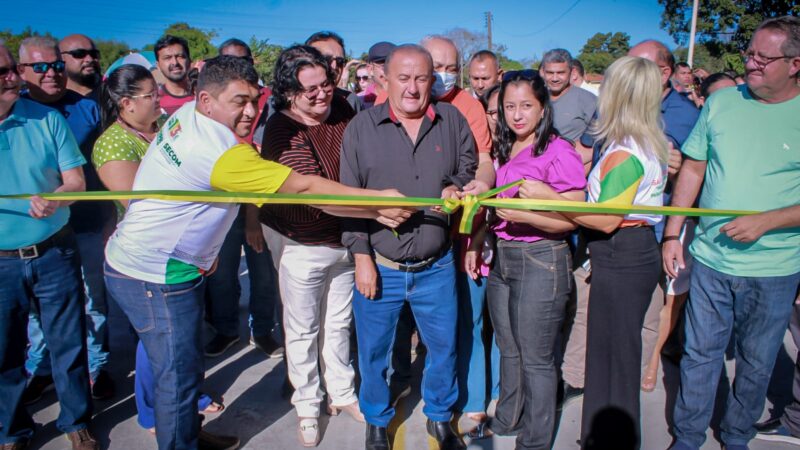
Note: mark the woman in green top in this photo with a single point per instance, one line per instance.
(131, 117)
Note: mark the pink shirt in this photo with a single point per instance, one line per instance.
(559, 166)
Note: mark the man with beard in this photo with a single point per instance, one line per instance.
(82, 61)
(172, 58)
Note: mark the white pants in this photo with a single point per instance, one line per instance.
(316, 285)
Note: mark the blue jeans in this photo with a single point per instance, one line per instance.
(472, 371)
(757, 311)
(528, 292)
(168, 319)
(144, 387)
(432, 296)
(91, 248)
(224, 290)
(52, 284)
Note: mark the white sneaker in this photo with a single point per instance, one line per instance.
(308, 432)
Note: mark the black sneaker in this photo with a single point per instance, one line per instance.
(569, 394)
(219, 344)
(208, 441)
(37, 386)
(773, 430)
(102, 386)
(267, 345)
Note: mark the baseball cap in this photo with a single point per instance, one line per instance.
(378, 52)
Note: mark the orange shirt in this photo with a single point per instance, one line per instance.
(473, 111)
(381, 97)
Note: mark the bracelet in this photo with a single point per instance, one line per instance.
(670, 238)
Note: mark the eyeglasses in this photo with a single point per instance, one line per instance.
(313, 91)
(153, 94)
(527, 74)
(339, 60)
(43, 67)
(761, 62)
(6, 71)
(80, 53)
(362, 78)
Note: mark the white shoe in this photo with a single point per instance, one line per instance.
(308, 432)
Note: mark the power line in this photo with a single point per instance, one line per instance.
(551, 23)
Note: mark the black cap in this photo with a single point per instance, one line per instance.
(378, 52)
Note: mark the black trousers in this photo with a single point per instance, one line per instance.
(626, 266)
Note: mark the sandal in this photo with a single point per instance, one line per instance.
(214, 408)
(308, 431)
(476, 416)
(482, 431)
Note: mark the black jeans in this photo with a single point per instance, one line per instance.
(527, 293)
(626, 266)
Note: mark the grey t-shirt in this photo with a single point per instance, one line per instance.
(573, 112)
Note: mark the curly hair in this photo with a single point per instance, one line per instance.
(289, 64)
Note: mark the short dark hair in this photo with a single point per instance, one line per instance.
(233, 42)
(325, 36)
(290, 62)
(487, 94)
(168, 40)
(682, 65)
(545, 131)
(711, 79)
(221, 70)
(578, 65)
(484, 54)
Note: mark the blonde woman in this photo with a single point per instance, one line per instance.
(626, 258)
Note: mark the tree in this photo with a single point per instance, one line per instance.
(265, 55)
(602, 49)
(470, 42)
(728, 22)
(12, 40)
(110, 51)
(200, 46)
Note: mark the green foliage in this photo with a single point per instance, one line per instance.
(729, 23)
(704, 58)
(110, 51)
(602, 49)
(12, 40)
(509, 64)
(200, 46)
(265, 55)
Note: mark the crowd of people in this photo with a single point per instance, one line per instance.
(579, 304)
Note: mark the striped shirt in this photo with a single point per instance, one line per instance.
(309, 150)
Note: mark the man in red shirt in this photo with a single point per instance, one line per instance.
(172, 58)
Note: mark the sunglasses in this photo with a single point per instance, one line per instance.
(5, 71)
(339, 60)
(81, 53)
(43, 67)
(527, 74)
(362, 78)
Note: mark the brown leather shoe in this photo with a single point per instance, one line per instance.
(82, 440)
(19, 445)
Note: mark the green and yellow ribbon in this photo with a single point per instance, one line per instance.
(470, 203)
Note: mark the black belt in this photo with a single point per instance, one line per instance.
(412, 267)
(36, 250)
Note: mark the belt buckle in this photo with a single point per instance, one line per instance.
(29, 252)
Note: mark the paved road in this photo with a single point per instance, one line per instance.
(256, 413)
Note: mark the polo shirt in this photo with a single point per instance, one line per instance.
(169, 242)
(753, 155)
(83, 117)
(679, 115)
(36, 146)
(377, 153)
(473, 111)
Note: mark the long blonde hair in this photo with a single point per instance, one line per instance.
(630, 106)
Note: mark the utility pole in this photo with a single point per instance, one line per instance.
(488, 15)
(692, 32)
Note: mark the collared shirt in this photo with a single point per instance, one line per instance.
(679, 115)
(83, 117)
(377, 153)
(36, 146)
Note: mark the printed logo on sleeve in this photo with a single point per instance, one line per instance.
(174, 126)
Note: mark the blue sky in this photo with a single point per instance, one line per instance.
(527, 28)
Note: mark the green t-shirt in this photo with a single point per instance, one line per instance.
(753, 154)
(118, 144)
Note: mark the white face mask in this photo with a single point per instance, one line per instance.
(443, 83)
